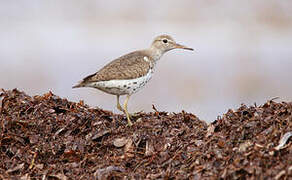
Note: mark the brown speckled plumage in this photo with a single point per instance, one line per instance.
(129, 66)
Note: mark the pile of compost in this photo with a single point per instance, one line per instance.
(47, 137)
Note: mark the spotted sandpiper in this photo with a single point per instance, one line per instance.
(129, 73)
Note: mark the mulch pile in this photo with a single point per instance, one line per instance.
(46, 137)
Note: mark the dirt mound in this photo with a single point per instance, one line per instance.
(46, 137)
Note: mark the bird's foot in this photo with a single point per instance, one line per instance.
(136, 114)
(129, 120)
(133, 116)
(130, 124)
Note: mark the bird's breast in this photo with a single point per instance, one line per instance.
(123, 86)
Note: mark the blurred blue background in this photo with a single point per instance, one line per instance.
(243, 50)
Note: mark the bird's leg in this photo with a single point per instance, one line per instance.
(119, 105)
(126, 110)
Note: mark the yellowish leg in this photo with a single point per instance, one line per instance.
(126, 110)
(119, 105)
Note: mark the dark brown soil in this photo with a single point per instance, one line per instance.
(46, 137)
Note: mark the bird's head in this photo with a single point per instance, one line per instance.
(165, 43)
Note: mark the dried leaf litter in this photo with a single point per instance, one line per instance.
(46, 137)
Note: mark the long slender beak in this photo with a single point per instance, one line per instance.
(179, 46)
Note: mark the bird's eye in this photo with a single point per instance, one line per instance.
(165, 40)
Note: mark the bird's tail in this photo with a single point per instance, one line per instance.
(80, 84)
(84, 82)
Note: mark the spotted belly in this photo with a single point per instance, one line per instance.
(122, 87)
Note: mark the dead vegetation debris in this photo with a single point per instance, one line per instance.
(46, 137)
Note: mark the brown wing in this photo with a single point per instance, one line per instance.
(129, 66)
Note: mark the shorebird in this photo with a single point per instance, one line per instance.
(129, 73)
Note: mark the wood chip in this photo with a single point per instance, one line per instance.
(120, 142)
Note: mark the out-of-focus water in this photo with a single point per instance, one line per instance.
(243, 51)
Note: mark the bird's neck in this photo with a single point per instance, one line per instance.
(155, 53)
